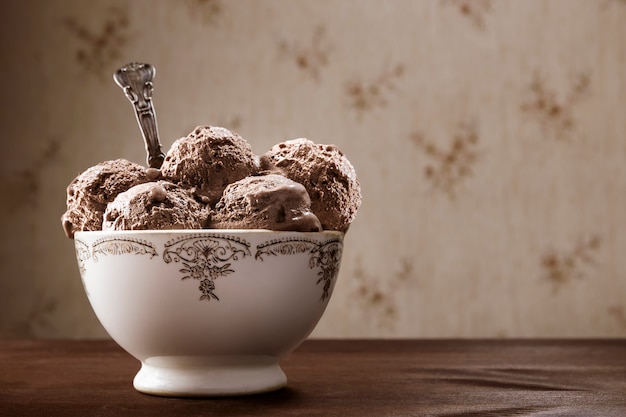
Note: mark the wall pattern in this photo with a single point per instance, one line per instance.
(488, 137)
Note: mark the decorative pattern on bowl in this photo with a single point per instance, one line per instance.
(325, 255)
(207, 258)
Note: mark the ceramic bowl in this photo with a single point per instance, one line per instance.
(208, 312)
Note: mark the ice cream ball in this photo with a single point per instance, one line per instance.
(326, 174)
(155, 206)
(269, 201)
(90, 192)
(209, 159)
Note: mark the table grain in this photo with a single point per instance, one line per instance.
(443, 378)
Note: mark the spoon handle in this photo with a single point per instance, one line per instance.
(136, 81)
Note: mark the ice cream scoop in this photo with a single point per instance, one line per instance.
(209, 159)
(90, 192)
(265, 202)
(327, 175)
(155, 206)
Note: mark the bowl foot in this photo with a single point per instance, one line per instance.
(184, 376)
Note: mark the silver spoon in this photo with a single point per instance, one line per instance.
(136, 81)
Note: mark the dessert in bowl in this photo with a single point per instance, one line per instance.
(208, 312)
(213, 263)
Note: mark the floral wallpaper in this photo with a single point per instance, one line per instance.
(488, 136)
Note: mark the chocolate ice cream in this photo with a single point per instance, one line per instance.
(327, 175)
(90, 192)
(265, 202)
(155, 206)
(209, 159)
(211, 179)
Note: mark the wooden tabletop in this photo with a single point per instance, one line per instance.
(452, 378)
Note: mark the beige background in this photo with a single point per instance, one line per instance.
(488, 136)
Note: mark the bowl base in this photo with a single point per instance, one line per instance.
(192, 376)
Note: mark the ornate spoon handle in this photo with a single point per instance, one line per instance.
(136, 81)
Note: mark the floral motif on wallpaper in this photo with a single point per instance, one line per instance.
(364, 96)
(562, 267)
(449, 166)
(24, 186)
(608, 3)
(39, 317)
(232, 123)
(311, 57)
(556, 114)
(378, 301)
(473, 10)
(618, 312)
(100, 47)
(209, 11)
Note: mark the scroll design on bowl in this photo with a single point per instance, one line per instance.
(206, 258)
(122, 246)
(82, 254)
(324, 255)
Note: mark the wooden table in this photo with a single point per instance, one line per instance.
(460, 378)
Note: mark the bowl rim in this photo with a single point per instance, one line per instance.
(207, 232)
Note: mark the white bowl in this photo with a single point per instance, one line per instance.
(208, 312)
